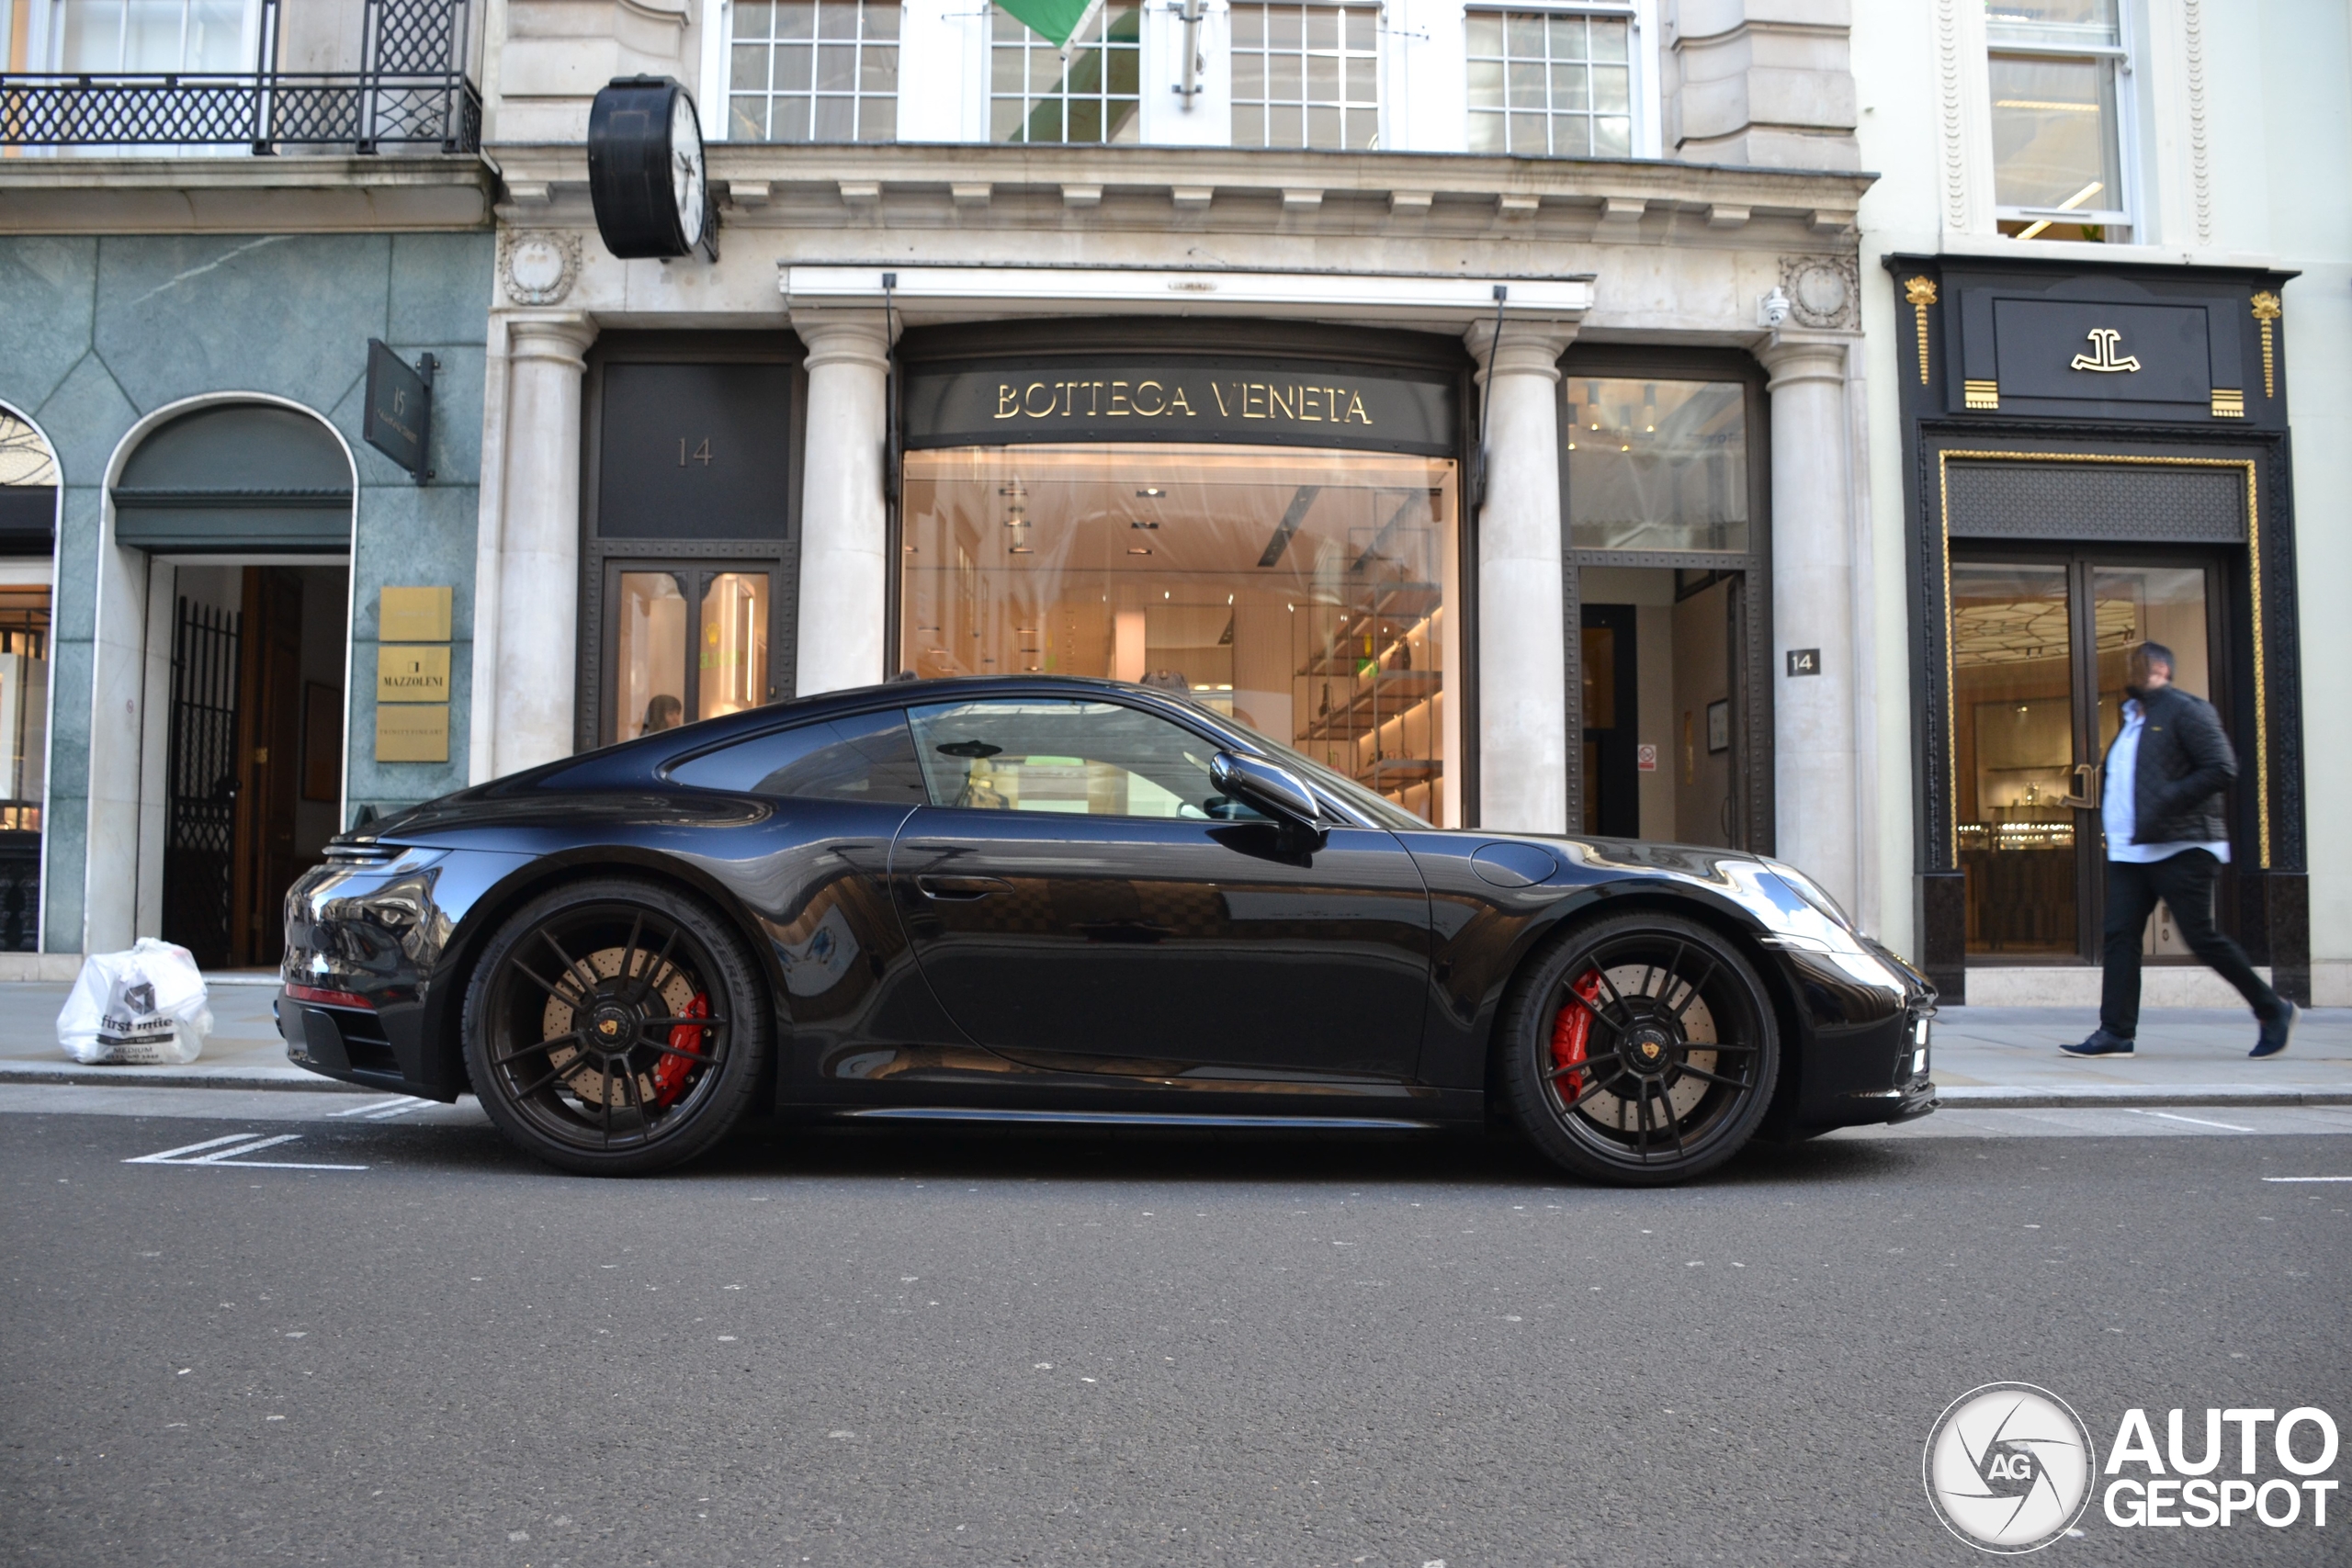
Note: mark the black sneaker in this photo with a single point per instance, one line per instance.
(2101, 1044)
(2276, 1032)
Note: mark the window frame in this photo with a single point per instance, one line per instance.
(2122, 220)
(1384, 62)
(1103, 96)
(714, 98)
(597, 643)
(1641, 92)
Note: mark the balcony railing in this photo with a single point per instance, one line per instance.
(411, 91)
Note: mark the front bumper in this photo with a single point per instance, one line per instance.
(361, 942)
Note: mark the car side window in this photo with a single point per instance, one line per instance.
(865, 756)
(1086, 758)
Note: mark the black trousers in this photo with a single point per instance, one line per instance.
(2185, 882)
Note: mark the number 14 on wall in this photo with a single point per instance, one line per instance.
(699, 455)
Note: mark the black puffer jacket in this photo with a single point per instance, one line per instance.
(2185, 763)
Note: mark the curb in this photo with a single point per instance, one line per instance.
(150, 1077)
(1997, 1097)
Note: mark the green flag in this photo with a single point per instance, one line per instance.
(1056, 21)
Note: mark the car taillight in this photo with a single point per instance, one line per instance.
(321, 995)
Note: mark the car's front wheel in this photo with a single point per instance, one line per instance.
(615, 1027)
(1640, 1050)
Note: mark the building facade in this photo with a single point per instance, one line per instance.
(1701, 420)
(1472, 397)
(196, 533)
(2094, 263)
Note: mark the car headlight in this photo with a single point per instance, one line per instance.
(1800, 916)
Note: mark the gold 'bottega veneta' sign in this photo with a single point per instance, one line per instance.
(1297, 402)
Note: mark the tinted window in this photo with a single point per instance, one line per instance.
(865, 756)
(1087, 759)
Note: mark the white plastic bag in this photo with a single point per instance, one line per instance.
(144, 1008)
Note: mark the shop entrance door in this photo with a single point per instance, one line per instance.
(2039, 643)
(1611, 734)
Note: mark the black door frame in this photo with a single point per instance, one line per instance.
(781, 555)
(2081, 561)
(1616, 773)
(1749, 572)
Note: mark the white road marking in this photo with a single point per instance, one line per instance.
(378, 1106)
(2199, 1121)
(230, 1151)
(2307, 1178)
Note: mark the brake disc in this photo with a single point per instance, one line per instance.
(590, 1084)
(1618, 1112)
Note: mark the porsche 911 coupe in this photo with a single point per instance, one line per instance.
(1055, 899)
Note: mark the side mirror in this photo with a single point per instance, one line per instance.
(1277, 792)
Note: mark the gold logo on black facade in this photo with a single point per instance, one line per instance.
(2102, 355)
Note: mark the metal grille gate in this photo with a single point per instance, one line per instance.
(200, 825)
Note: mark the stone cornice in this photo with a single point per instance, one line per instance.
(241, 194)
(990, 186)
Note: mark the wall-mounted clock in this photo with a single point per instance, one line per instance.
(646, 173)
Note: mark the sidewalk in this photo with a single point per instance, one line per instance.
(244, 1051)
(1985, 1058)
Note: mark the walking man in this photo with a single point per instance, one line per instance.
(2162, 807)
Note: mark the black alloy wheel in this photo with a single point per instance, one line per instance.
(615, 1027)
(1640, 1050)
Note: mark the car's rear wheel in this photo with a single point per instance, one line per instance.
(1640, 1050)
(615, 1027)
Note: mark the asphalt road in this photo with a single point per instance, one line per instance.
(909, 1347)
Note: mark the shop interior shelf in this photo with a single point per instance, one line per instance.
(1393, 770)
(1386, 696)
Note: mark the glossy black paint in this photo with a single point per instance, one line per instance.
(973, 960)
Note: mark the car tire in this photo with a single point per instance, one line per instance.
(615, 1027)
(1673, 1067)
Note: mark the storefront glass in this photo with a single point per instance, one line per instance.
(1657, 465)
(656, 686)
(1302, 591)
(2039, 651)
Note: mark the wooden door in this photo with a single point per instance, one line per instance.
(269, 764)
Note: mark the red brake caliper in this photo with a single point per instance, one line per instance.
(1570, 1030)
(670, 1072)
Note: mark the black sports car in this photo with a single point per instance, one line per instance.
(1070, 900)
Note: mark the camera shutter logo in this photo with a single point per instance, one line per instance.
(2008, 1467)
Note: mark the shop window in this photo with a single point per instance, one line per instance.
(1306, 76)
(1301, 591)
(813, 70)
(691, 644)
(1543, 83)
(1657, 465)
(1088, 92)
(2058, 130)
(23, 706)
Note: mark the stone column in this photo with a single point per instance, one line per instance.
(844, 575)
(1816, 765)
(1522, 651)
(538, 573)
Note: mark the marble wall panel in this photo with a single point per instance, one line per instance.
(47, 289)
(440, 289)
(86, 418)
(290, 314)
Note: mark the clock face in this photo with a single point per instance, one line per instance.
(686, 169)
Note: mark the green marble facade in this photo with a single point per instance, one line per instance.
(97, 332)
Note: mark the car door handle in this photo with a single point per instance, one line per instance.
(956, 889)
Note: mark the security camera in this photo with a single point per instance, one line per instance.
(1772, 310)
